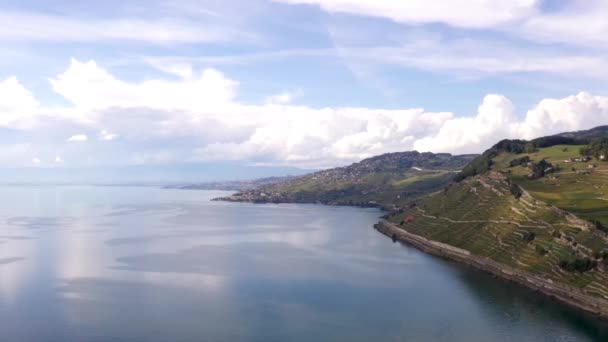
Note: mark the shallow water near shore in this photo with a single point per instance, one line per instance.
(84, 263)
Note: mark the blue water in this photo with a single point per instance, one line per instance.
(148, 264)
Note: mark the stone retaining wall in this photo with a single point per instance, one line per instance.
(571, 296)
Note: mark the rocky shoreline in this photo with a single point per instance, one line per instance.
(565, 294)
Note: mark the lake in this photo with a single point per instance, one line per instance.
(85, 263)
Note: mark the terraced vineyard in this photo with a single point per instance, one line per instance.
(483, 216)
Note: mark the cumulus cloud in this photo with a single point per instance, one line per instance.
(496, 120)
(201, 119)
(89, 86)
(16, 102)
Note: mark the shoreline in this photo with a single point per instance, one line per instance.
(570, 296)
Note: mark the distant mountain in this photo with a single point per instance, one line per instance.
(243, 185)
(388, 179)
(146, 174)
(594, 133)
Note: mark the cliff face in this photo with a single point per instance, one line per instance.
(389, 179)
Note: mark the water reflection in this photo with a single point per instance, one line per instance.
(145, 264)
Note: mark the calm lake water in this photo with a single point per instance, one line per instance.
(147, 264)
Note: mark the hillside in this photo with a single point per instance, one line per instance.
(537, 206)
(389, 179)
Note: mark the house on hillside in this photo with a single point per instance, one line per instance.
(408, 219)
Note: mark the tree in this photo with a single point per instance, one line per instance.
(600, 226)
(581, 265)
(523, 161)
(540, 169)
(597, 149)
(516, 191)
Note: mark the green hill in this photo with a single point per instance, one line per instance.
(392, 179)
(538, 206)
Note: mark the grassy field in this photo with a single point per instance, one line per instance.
(575, 187)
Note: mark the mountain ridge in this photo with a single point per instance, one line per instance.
(385, 180)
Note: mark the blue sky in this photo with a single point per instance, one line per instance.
(291, 83)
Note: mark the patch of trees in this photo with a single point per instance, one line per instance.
(557, 140)
(600, 226)
(597, 149)
(523, 161)
(580, 265)
(540, 169)
(483, 163)
(478, 166)
(512, 146)
(516, 191)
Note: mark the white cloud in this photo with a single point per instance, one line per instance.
(58, 160)
(16, 102)
(578, 23)
(160, 121)
(466, 57)
(32, 26)
(284, 97)
(496, 120)
(460, 13)
(78, 138)
(107, 136)
(571, 113)
(36, 161)
(89, 86)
